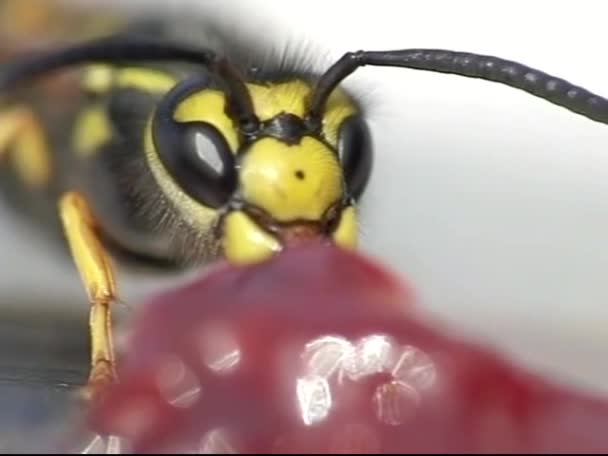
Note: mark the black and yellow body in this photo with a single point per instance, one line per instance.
(96, 170)
(176, 154)
(103, 148)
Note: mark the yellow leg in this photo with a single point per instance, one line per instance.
(21, 131)
(97, 274)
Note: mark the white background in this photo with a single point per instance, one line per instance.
(492, 203)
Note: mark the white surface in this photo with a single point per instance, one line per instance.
(492, 203)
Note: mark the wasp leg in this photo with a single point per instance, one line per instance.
(22, 133)
(93, 264)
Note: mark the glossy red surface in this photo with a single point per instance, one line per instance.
(319, 350)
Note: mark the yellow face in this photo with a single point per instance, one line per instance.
(292, 186)
(288, 191)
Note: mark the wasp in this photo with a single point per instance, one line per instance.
(175, 154)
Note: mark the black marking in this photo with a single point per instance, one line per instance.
(285, 127)
(128, 109)
(300, 174)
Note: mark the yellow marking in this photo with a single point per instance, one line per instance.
(31, 159)
(144, 79)
(346, 234)
(98, 78)
(97, 274)
(197, 215)
(270, 178)
(23, 136)
(245, 242)
(93, 127)
(101, 79)
(209, 106)
(269, 101)
(339, 107)
(290, 97)
(92, 130)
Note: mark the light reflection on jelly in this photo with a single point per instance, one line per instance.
(330, 361)
(396, 402)
(216, 442)
(177, 383)
(114, 445)
(219, 347)
(314, 399)
(187, 398)
(94, 446)
(371, 355)
(416, 368)
(107, 445)
(226, 363)
(325, 356)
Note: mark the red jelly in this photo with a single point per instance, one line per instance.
(320, 350)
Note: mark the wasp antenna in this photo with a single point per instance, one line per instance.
(239, 100)
(104, 50)
(134, 49)
(553, 89)
(330, 80)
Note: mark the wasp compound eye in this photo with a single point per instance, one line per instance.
(201, 162)
(195, 153)
(356, 156)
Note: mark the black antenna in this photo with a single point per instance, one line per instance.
(121, 48)
(494, 69)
